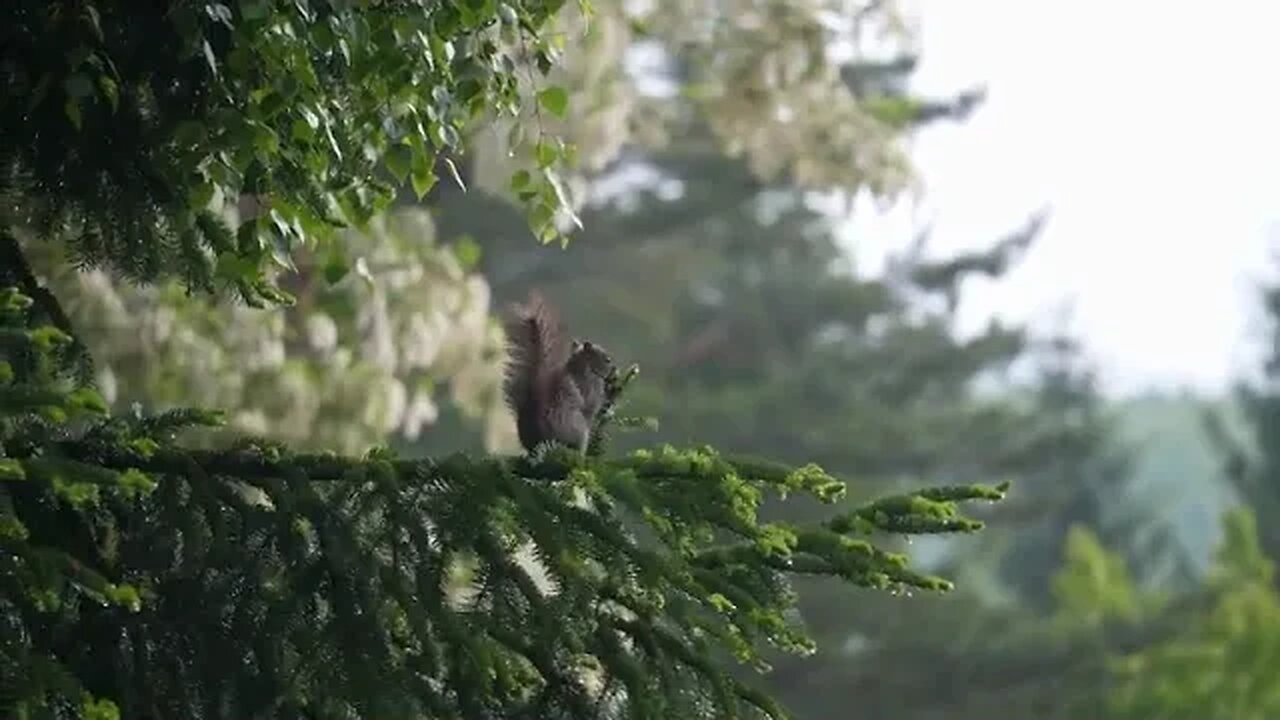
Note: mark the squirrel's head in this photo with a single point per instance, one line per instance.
(588, 355)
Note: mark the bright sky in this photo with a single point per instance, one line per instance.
(1151, 131)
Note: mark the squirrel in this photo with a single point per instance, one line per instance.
(555, 386)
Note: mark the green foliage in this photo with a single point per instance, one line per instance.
(34, 577)
(1240, 558)
(126, 127)
(1093, 584)
(1222, 664)
(316, 583)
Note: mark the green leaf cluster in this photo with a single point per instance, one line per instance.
(127, 127)
(1222, 663)
(1093, 584)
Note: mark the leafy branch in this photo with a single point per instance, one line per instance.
(314, 111)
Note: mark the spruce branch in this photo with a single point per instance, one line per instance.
(16, 272)
(330, 576)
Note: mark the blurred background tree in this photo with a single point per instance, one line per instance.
(1220, 664)
(1250, 451)
(1217, 665)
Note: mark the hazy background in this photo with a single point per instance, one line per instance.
(1149, 133)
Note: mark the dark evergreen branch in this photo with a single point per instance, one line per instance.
(331, 582)
(15, 271)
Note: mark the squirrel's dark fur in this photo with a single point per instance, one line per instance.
(555, 386)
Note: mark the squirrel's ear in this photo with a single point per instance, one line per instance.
(576, 345)
(586, 345)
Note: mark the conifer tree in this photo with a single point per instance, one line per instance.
(1216, 653)
(1219, 662)
(143, 577)
(1252, 463)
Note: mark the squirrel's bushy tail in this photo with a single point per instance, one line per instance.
(536, 346)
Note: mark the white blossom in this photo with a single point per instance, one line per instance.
(253, 422)
(422, 411)
(322, 332)
(107, 384)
